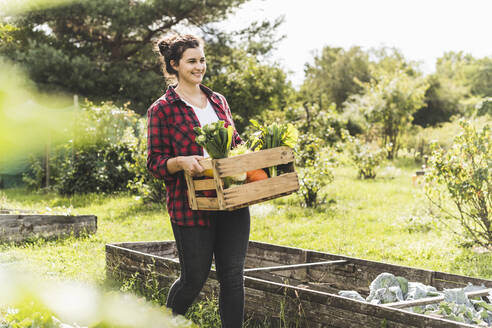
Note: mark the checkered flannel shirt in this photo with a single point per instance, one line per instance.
(170, 124)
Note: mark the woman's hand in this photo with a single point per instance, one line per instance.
(190, 164)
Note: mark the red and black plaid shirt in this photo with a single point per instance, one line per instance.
(170, 124)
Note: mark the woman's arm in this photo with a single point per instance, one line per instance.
(186, 163)
(160, 159)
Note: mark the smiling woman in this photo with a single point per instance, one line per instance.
(172, 150)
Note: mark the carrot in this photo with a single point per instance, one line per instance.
(256, 175)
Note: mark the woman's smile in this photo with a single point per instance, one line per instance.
(192, 66)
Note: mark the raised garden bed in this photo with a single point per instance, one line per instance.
(300, 285)
(22, 227)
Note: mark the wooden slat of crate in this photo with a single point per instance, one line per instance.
(205, 184)
(253, 161)
(191, 191)
(206, 203)
(219, 186)
(261, 200)
(253, 191)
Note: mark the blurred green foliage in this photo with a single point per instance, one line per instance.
(29, 119)
(26, 302)
(106, 153)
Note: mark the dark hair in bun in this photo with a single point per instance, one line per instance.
(171, 47)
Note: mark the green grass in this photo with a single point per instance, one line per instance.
(364, 218)
(120, 218)
(385, 219)
(369, 219)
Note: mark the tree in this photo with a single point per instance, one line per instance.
(251, 87)
(481, 81)
(102, 49)
(386, 60)
(449, 86)
(332, 77)
(389, 102)
(442, 101)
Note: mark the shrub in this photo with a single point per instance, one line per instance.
(35, 177)
(144, 183)
(366, 158)
(484, 107)
(315, 172)
(328, 124)
(100, 156)
(312, 179)
(464, 173)
(96, 169)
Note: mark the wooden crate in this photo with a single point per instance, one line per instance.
(247, 194)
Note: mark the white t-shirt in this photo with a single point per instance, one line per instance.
(205, 116)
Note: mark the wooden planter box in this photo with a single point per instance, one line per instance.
(246, 194)
(21, 227)
(292, 286)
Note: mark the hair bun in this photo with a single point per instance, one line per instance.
(163, 46)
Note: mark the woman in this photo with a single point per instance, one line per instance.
(171, 150)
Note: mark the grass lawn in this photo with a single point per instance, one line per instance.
(384, 219)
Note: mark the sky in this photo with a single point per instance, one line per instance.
(422, 30)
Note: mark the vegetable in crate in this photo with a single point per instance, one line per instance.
(239, 150)
(215, 138)
(256, 175)
(271, 136)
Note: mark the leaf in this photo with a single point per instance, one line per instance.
(230, 133)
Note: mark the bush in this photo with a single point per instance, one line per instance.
(35, 177)
(312, 179)
(418, 140)
(97, 169)
(366, 158)
(315, 172)
(26, 302)
(484, 107)
(144, 183)
(464, 173)
(100, 156)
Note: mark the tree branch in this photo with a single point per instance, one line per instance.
(151, 33)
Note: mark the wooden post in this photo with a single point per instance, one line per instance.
(47, 161)
(76, 107)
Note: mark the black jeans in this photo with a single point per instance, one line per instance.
(226, 239)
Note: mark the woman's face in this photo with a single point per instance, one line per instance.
(192, 66)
